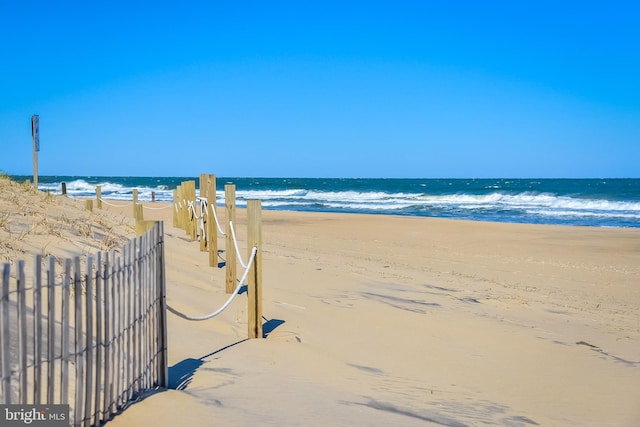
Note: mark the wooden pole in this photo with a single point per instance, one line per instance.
(230, 252)
(135, 201)
(139, 217)
(64, 188)
(177, 200)
(191, 197)
(212, 228)
(254, 287)
(188, 222)
(35, 135)
(201, 223)
(203, 184)
(88, 204)
(153, 197)
(99, 196)
(175, 207)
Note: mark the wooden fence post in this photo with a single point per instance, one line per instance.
(212, 228)
(254, 287)
(88, 204)
(99, 196)
(230, 252)
(138, 214)
(189, 192)
(203, 185)
(182, 216)
(201, 223)
(193, 223)
(64, 188)
(135, 201)
(175, 207)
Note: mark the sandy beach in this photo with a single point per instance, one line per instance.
(381, 320)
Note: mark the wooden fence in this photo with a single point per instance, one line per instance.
(92, 336)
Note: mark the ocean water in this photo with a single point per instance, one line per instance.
(584, 202)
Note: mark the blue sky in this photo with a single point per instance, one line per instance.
(322, 89)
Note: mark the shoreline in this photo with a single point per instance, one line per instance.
(163, 205)
(592, 202)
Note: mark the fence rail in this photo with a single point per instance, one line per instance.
(92, 336)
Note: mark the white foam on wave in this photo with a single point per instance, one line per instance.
(499, 200)
(583, 214)
(525, 203)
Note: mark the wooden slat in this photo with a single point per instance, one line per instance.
(37, 324)
(121, 350)
(122, 289)
(51, 330)
(150, 313)
(162, 315)
(89, 342)
(79, 350)
(118, 332)
(147, 313)
(120, 340)
(5, 338)
(106, 287)
(141, 312)
(134, 294)
(66, 304)
(129, 286)
(152, 310)
(114, 333)
(99, 368)
(22, 336)
(140, 303)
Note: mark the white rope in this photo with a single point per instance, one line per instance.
(203, 209)
(235, 243)
(254, 250)
(116, 206)
(215, 216)
(156, 209)
(129, 204)
(193, 209)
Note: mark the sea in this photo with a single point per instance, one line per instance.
(575, 202)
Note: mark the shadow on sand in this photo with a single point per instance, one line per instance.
(181, 374)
